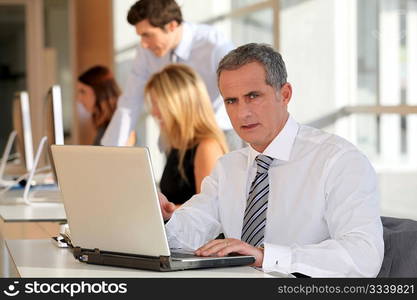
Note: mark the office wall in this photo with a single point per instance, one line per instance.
(57, 45)
(93, 44)
(308, 48)
(12, 63)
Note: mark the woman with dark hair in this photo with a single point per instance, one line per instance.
(98, 91)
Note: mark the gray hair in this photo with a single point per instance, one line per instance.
(275, 71)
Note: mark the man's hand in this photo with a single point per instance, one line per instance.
(224, 247)
(167, 208)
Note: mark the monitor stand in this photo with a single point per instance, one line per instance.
(4, 160)
(32, 172)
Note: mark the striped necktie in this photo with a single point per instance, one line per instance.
(254, 220)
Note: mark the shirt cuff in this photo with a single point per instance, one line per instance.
(276, 258)
(170, 229)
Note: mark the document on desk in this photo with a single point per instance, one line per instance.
(277, 274)
(280, 275)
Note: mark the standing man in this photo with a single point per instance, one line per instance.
(298, 199)
(165, 39)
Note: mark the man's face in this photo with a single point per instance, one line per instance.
(257, 111)
(157, 40)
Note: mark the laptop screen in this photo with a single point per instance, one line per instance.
(110, 199)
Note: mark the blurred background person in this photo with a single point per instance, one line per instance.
(166, 38)
(98, 91)
(179, 101)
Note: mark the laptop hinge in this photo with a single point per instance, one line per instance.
(165, 262)
(162, 263)
(78, 254)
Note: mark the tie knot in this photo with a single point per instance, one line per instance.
(263, 163)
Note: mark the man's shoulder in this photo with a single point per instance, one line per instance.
(203, 29)
(234, 158)
(327, 148)
(320, 139)
(204, 34)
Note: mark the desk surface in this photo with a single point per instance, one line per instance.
(35, 212)
(40, 258)
(46, 206)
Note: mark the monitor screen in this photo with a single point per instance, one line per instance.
(53, 112)
(54, 122)
(22, 126)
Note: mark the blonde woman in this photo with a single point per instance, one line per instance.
(179, 101)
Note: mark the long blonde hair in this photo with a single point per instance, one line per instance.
(185, 109)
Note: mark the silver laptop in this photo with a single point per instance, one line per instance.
(113, 212)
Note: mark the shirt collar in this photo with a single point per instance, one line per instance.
(281, 146)
(183, 49)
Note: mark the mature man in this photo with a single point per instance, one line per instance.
(165, 39)
(299, 199)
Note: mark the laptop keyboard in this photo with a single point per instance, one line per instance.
(183, 254)
(180, 253)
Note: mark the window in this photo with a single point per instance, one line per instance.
(352, 65)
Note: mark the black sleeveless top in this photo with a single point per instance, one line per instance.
(172, 184)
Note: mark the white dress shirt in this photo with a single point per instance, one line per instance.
(323, 210)
(201, 47)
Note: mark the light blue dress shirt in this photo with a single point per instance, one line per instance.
(201, 47)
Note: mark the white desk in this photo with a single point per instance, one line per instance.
(21, 221)
(35, 212)
(41, 209)
(40, 258)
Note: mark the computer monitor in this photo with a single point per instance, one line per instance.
(54, 122)
(21, 137)
(22, 126)
(53, 134)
